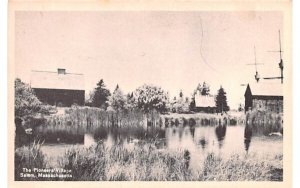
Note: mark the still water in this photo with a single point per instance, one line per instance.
(198, 140)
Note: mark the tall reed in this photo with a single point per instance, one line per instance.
(90, 117)
(145, 163)
(264, 122)
(29, 157)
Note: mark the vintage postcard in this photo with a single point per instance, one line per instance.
(146, 93)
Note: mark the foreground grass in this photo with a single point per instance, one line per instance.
(145, 163)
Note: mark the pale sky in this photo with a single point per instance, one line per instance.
(174, 50)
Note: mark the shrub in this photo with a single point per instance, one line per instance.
(27, 104)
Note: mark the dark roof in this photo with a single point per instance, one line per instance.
(265, 89)
(53, 80)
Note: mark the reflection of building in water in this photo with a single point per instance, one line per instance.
(264, 96)
(247, 137)
(58, 88)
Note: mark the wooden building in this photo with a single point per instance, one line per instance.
(58, 88)
(205, 103)
(264, 96)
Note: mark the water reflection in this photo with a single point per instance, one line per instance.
(171, 137)
(195, 140)
(247, 137)
(61, 137)
(202, 142)
(101, 133)
(221, 132)
(88, 140)
(192, 129)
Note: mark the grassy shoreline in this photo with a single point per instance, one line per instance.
(145, 163)
(88, 118)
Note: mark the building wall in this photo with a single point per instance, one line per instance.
(60, 97)
(248, 99)
(271, 105)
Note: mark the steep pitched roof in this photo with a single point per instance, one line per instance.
(53, 80)
(204, 101)
(266, 89)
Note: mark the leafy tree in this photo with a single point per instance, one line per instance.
(130, 103)
(240, 108)
(185, 105)
(181, 104)
(198, 89)
(149, 97)
(221, 101)
(192, 105)
(173, 105)
(89, 98)
(202, 89)
(101, 95)
(26, 103)
(117, 100)
(205, 89)
(180, 94)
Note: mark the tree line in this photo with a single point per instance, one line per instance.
(145, 98)
(150, 97)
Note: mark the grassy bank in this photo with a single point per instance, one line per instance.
(28, 157)
(89, 117)
(204, 119)
(264, 122)
(145, 163)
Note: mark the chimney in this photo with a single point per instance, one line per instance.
(61, 71)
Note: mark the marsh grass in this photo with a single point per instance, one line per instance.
(120, 164)
(239, 168)
(91, 118)
(203, 119)
(145, 163)
(264, 122)
(28, 157)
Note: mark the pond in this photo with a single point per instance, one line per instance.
(199, 140)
